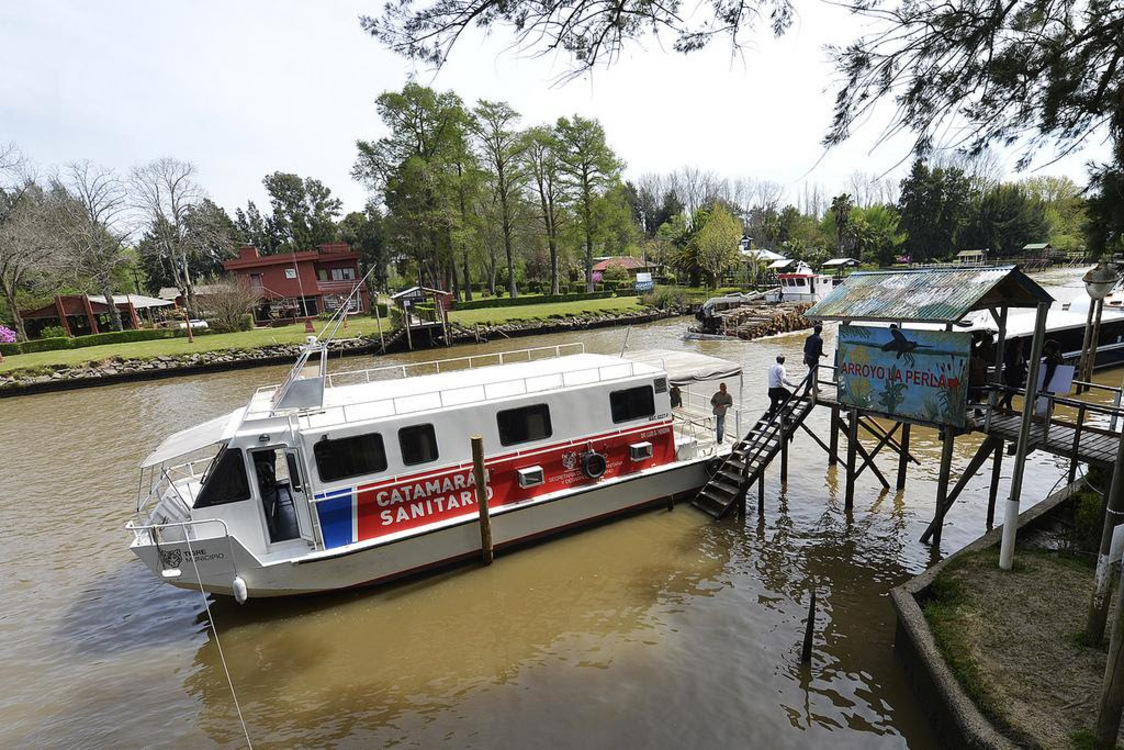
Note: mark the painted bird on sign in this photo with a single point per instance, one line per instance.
(901, 344)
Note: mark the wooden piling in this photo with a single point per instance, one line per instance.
(809, 630)
(833, 452)
(996, 466)
(942, 483)
(852, 452)
(761, 494)
(482, 498)
(783, 434)
(903, 456)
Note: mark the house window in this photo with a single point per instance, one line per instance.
(524, 425)
(322, 274)
(290, 273)
(343, 274)
(255, 281)
(418, 444)
(349, 457)
(634, 403)
(225, 481)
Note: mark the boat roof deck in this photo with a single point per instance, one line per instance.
(381, 398)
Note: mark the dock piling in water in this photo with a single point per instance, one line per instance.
(482, 498)
(809, 630)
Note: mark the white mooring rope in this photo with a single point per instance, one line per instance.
(218, 644)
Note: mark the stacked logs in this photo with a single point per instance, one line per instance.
(755, 321)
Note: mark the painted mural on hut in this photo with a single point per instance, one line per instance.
(913, 374)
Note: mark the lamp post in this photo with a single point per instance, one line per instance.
(1099, 282)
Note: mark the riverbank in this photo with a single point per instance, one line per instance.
(999, 656)
(108, 370)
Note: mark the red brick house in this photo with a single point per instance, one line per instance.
(300, 284)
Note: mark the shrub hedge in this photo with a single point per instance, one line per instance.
(97, 339)
(539, 299)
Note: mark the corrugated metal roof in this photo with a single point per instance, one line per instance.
(930, 295)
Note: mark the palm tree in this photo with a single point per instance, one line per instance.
(841, 206)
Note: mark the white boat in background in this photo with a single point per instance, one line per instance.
(802, 284)
(328, 481)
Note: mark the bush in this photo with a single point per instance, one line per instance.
(535, 300)
(45, 345)
(667, 298)
(9, 350)
(53, 332)
(382, 310)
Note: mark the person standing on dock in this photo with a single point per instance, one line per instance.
(778, 379)
(721, 401)
(813, 348)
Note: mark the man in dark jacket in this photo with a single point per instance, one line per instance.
(813, 348)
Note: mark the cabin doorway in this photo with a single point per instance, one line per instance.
(275, 470)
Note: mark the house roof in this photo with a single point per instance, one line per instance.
(969, 253)
(627, 262)
(760, 254)
(1036, 246)
(840, 263)
(288, 259)
(928, 295)
(139, 301)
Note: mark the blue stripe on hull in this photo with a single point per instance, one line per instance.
(335, 514)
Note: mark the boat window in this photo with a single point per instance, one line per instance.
(349, 457)
(226, 480)
(418, 443)
(524, 425)
(633, 403)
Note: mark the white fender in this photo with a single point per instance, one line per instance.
(241, 594)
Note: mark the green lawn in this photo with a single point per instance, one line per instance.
(545, 310)
(252, 339)
(295, 334)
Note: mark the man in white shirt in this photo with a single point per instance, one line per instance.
(778, 378)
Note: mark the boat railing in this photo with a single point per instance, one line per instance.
(473, 394)
(406, 369)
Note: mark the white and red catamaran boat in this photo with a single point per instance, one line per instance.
(335, 480)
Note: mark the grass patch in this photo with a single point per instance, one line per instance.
(253, 339)
(1015, 642)
(545, 311)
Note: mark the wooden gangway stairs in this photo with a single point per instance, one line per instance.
(748, 459)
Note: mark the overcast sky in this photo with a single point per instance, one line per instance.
(246, 88)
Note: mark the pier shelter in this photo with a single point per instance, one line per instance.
(901, 357)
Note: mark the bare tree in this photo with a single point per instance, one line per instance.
(26, 241)
(91, 211)
(228, 304)
(166, 194)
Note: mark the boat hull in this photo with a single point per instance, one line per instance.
(218, 560)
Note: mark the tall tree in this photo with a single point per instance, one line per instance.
(934, 207)
(841, 206)
(187, 230)
(501, 147)
(258, 229)
(417, 167)
(717, 242)
(92, 206)
(27, 241)
(304, 211)
(590, 167)
(540, 154)
(1004, 219)
(363, 231)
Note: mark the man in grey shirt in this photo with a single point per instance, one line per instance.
(721, 401)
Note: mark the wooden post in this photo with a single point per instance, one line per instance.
(806, 651)
(761, 494)
(942, 483)
(406, 320)
(482, 498)
(783, 434)
(903, 456)
(852, 451)
(1112, 689)
(833, 454)
(1082, 364)
(378, 320)
(1011, 512)
(996, 466)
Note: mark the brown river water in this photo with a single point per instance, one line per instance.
(659, 630)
